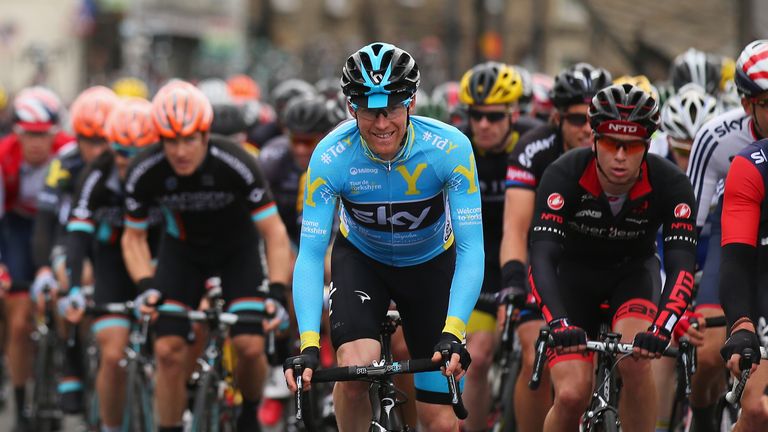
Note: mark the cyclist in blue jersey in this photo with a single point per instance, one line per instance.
(410, 215)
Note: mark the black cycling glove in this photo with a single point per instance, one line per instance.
(565, 335)
(450, 344)
(655, 340)
(739, 341)
(308, 359)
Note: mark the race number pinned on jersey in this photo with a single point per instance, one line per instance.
(555, 201)
(683, 211)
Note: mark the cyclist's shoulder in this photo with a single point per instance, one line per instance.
(432, 131)
(442, 144)
(275, 150)
(143, 164)
(542, 139)
(756, 152)
(735, 122)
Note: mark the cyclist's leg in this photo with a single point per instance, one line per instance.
(572, 377)
(754, 415)
(357, 305)
(113, 284)
(581, 291)
(531, 406)
(241, 275)
(481, 341)
(634, 312)
(17, 233)
(181, 280)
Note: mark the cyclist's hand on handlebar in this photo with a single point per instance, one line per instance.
(44, 279)
(73, 305)
(740, 340)
(147, 302)
(276, 305)
(685, 327)
(651, 343)
(459, 356)
(309, 359)
(566, 337)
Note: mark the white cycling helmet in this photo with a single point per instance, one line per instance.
(694, 66)
(684, 113)
(752, 69)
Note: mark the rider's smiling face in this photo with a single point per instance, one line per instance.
(383, 129)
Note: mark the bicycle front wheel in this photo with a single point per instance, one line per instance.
(206, 408)
(138, 401)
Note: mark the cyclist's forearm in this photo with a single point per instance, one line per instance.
(545, 258)
(278, 251)
(678, 289)
(42, 237)
(136, 254)
(465, 287)
(737, 280)
(77, 248)
(308, 292)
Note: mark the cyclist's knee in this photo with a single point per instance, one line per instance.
(352, 390)
(249, 348)
(18, 324)
(635, 370)
(482, 355)
(437, 418)
(754, 411)
(709, 362)
(111, 355)
(572, 393)
(170, 353)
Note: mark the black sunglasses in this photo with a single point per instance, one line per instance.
(576, 119)
(492, 117)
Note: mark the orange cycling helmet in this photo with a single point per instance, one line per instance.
(181, 109)
(243, 88)
(130, 124)
(90, 111)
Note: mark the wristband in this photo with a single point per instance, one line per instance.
(740, 321)
(277, 292)
(513, 274)
(145, 283)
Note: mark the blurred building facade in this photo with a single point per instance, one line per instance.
(73, 43)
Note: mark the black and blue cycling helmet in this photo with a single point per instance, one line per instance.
(379, 75)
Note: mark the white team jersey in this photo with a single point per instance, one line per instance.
(715, 145)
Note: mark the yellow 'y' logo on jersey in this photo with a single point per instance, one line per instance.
(311, 187)
(56, 174)
(411, 179)
(469, 174)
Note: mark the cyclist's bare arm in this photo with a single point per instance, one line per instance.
(518, 212)
(136, 254)
(278, 246)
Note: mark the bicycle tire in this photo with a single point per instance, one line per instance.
(138, 405)
(507, 421)
(45, 392)
(608, 422)
(206, 405)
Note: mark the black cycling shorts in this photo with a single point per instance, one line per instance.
(630, 290)
(182, 270)
(361, 290)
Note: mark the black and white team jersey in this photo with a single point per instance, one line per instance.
(715, 145)
(217, 203)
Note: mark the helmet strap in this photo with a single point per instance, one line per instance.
(757, 128)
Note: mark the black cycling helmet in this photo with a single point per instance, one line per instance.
(287, 90)
(312, 114)
(578, 84)
(379, 75)
(228, 119)
(624, 109)
(694, 66)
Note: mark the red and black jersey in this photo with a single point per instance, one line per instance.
(743, 271)
(217, 203)
(573, 221)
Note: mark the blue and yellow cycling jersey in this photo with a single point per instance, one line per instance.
(400, 212)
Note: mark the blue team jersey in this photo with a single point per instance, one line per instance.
(401, 212)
